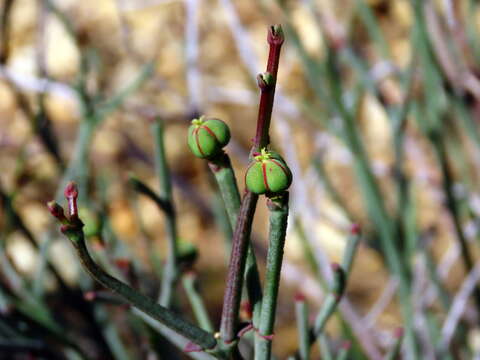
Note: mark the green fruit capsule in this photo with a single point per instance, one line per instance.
(268, 174)
(207, 137)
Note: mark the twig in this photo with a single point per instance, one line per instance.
(72, 228)
(458, 306)
(395, 350)
(191, 55)
(301, 313)
(382, 302)
(196, 302)
(241, 235)
(171, 270)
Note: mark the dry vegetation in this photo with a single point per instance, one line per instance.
(205, 55)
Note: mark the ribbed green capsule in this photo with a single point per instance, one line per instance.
(268, 174)
(207, 137)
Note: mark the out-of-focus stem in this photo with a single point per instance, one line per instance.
(324, 347)
(344, 351)
(171, 271)
(451, 204)
(395, 350)
(196, 302)
(301, 312)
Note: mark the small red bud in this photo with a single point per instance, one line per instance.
(398, 333)
(57, 211)
(346, 345)
(71, 193)
(356, 229)
(123, 264)
(300, 297)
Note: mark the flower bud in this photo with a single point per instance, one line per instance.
(207, 137)
(268, 174)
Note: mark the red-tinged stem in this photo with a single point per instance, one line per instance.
(266, 83)
(236, 269)
(233, 291)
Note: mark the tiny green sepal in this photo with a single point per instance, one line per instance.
(207, 137)
(268, 174)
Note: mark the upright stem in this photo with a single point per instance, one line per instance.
(278, 208)
(275, 40)
(451, 203)
(171, 271)
(233, 291)
(301, 313)
(231, 301)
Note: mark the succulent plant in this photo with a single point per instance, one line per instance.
(207, 137)
(268, 173)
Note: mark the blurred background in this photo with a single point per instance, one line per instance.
(376, 113)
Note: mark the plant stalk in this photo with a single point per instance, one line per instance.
(171, 271)
(278, 208)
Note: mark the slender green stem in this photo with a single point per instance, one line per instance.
(451, 203)
(171, 270)
(394, 352)
(278, 208)
(331, 301)
(324, 347)
(196, 302)
(374, 200)
(301, 312)
(222, 169)
(344, 351)
(72, 227)
(352, 246)
(147, 305)
(173, 337)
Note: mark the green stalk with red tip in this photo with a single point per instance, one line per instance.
(72, 227)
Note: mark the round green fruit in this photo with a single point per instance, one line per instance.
(207, 137)
(268, 174)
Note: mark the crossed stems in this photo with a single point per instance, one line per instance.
(72, 228)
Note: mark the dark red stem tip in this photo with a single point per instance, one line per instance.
(56, 210)
(71, 193)
(275, 35)
(71, 190)
(300, 297)
(355, 229)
